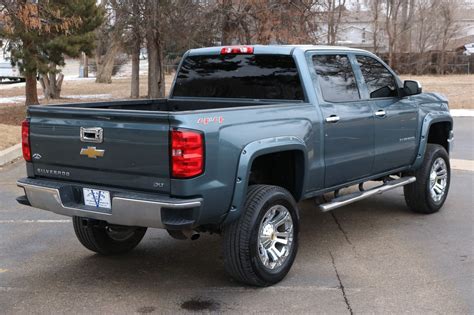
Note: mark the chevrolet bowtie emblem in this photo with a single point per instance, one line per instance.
(92, 152)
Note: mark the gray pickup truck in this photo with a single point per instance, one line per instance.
(246, 133)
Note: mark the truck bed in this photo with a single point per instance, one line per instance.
(135, 146)
(172, 105)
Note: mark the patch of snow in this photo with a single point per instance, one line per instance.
(76, 78)
(462, 112)
(13, 99)
(89, 96)
(21, 99)
(8, 86)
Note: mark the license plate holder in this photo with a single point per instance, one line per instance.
(97, 198)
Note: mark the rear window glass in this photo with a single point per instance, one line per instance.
(336, 78)
(239, 76)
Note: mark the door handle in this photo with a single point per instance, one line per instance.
(332, 119)
(380, 113)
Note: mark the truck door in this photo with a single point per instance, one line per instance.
(395, 118)
(348, 119)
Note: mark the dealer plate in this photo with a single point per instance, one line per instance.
(97, 198)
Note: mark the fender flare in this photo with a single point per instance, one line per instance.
(247, 156)
(428, 121)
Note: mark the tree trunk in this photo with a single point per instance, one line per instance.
(85, 65)
(52, 85)
(135, 84)
(226, 23)
(45, 84)
(105, 66)
(375, 30)
(30, 90)
(136, 45)
(156, 77)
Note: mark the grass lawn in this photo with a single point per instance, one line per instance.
(458, 88)
(10, 135)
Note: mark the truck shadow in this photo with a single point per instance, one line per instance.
(182, 269)
(159, 253)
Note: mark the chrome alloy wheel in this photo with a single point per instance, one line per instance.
(275, 237)
(438, 179)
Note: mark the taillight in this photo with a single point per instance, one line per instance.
(233, 50)
(25, 140)
(187, 153)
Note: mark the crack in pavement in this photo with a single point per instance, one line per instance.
(341, 229)
(341, 286)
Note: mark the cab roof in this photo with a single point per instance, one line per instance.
(273, 49)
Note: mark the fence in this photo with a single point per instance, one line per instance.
(432, 63)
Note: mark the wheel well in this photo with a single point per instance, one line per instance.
(284, 169)
(439, 134)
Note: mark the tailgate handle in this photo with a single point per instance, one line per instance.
(94, 135)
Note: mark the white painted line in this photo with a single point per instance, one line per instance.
(462, 112)
(35, 221)
(465, 165)
(277, 288)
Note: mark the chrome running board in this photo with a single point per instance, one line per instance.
(356, 196)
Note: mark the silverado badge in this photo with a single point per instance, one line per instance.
(92, 152)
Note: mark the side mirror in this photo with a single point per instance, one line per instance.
(411, 87)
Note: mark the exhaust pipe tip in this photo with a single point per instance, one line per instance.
(184, 234)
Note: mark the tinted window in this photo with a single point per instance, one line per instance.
(239, 76)
(336, 78)
(380, 82)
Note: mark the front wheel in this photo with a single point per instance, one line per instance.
(260, 247)
(106, 239)
(428, 194)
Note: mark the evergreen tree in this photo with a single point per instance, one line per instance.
(42, 32)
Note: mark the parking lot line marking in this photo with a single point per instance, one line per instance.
(465, 165)
(35, 221)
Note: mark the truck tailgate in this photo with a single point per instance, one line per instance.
(133, 152)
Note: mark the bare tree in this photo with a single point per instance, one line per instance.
(447, 28)
(424, 30)
(226, 13)
(335, 10)
(406, 23)
(265, 22)
(392, 12)
(375, 6)
(156, 76)
(52, 82)
(110, 38)
(136, 42)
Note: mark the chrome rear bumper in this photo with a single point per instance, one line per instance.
(128, 208)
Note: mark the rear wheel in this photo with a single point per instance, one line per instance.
(260, 247)
(107, 239)
(428, 194)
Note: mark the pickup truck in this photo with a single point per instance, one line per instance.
(9, 72)
(245, 134)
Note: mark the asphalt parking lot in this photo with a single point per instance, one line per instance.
(374, 256)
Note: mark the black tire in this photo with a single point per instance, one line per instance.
(97, 236)
(417, 195)
(241, 238)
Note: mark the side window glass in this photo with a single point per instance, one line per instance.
(380, 82)
(336, 78)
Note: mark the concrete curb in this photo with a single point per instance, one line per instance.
(10, 154)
